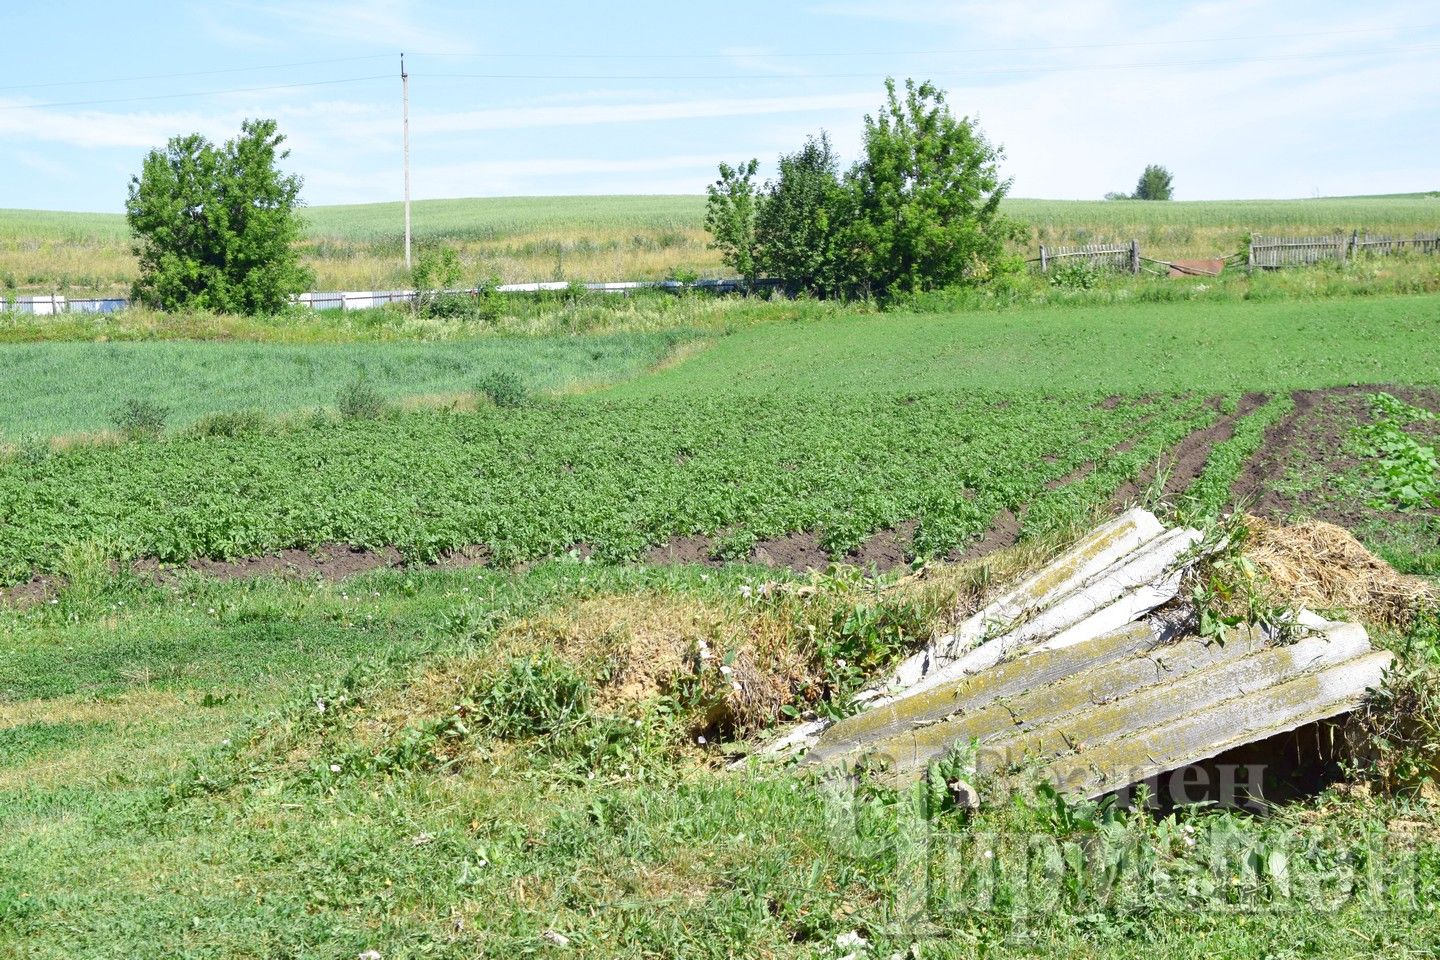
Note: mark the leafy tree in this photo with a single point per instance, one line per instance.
(730, 217)
(215, 227)
(926, 198)
(799, 215)
(1156, 183)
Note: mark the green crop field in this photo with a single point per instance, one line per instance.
(597, 238)
(67, 388)
(845, 426)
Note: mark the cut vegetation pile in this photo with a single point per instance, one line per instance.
(1322, 566)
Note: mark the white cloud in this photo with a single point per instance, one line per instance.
(90, 129)
(386, 24)
(511, 118)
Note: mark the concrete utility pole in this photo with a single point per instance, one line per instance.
(405, 98)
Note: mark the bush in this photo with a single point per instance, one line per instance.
(1074, 274)
(140, 419)
(504, 388)
(229, 423)
(360, 401)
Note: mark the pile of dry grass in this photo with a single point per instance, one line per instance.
(1322, 566)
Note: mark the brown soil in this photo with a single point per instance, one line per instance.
(32, 591)
(474, 555)
(1188, 459)
(1316, 434)
(696, 549)
(798, 551)
(1003, 532)
(331, 561)
(1313, 439)
(886, 550)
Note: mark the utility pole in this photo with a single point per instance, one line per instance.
(405, 98)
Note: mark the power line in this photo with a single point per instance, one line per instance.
(203, 93)
(197, 73)
(760, 54)
(997, 71)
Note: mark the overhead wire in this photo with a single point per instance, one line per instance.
(763, 54)
(195, 73)
(998, 71)
(202, 93)
(789, 77)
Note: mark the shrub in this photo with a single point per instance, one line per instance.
(229, 423)
(504, 388)
(1075, 273)
(140, 419)
(360, 401)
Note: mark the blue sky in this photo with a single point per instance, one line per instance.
(1239, 98)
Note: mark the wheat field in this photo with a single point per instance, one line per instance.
(360, 247)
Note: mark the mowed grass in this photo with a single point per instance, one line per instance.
(54, 389)
(295, 769)
(359, 247)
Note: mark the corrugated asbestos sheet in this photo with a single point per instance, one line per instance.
(1069, 673)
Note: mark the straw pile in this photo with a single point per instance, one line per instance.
(1323, 567)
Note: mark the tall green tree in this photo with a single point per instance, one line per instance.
(730, 209)
(926, 197)
(800, 215)
(216, 227)
(1156, 183)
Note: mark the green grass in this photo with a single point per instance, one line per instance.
(492, 218)
(280, 775)
(64, 388)
(844, 426)
(1223, 346)
(273, 768)
(498, 217)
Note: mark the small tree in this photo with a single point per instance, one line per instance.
(926, 198)
(799, 215)
(1156, 183)
(215, 227)
(730, 217)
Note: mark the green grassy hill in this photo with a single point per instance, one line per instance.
(358, 247)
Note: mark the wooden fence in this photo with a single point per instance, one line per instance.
(1101, 256)
(1274, 252)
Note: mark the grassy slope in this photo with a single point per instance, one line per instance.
(171, 786)
(490, 217)
(638, 237)
(62, 388)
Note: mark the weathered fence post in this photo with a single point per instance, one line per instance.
(1134, 256)
(1250, 254)
(1354, 241)
(1044, 263)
